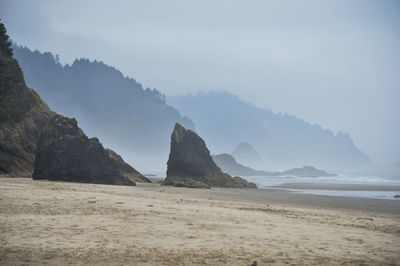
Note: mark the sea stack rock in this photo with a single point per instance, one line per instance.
(191, 165)
(65, 153)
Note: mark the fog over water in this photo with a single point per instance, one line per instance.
(334, 63)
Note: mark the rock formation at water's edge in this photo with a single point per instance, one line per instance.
(191, 165)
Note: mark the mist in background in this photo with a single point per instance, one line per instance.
(274, 141)
(334, 63)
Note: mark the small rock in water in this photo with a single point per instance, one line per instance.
(397, 196)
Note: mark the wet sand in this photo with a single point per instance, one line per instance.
(58, 223)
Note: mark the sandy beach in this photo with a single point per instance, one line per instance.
(58, 223)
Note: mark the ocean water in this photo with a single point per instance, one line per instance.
(349, 193)
(272, 182)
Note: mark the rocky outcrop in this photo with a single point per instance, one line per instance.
(191, 165)
(229, 165)
(307, 171)
(18, 142)
(23, 116)
(65, 153)
(184, 182)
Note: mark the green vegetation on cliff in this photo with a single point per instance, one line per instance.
(15, 98)
(23, 115)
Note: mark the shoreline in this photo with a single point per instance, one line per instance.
(283, 195)
(344, 187)
(293, 199)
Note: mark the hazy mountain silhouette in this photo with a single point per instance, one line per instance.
(282, 140)
(128, 118)
(306, 171)
(246, 154)
(229, 165)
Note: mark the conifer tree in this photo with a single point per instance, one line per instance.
(5, 44)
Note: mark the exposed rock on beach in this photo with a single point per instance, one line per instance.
(65, 153)
(191, 165)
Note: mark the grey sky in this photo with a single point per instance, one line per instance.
(335, 63)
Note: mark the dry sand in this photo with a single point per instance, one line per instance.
(59, 223)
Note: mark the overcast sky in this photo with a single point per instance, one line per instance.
(335, 63)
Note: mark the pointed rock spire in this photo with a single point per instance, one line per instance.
(191, 165)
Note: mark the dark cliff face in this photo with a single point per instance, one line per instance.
(191, 165)
(23, 116)
(65, 153)
(18, 142)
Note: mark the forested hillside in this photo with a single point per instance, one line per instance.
(128, 118)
